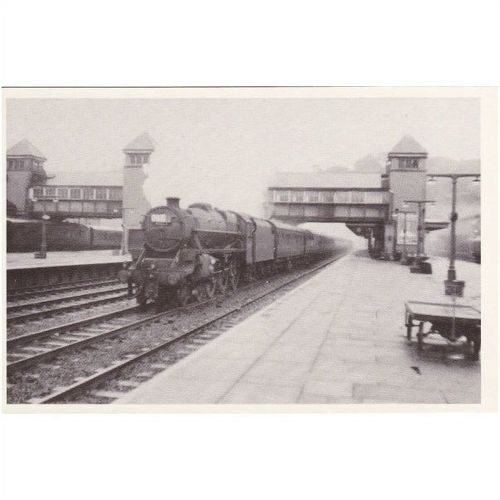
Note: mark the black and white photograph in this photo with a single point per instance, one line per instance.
(289, 247)
(250, 250)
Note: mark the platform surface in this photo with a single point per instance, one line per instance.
(56, 259)
(338, 338)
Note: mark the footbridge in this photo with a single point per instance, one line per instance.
(376, 206)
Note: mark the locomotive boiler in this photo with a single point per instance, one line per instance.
(193, 253)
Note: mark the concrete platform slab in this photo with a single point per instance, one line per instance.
(339, 338)
(57, 259)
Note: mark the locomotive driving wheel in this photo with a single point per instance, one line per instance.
(234, 276)
(222, 282)
(184, 293)
(141, 299)
(210, 287)
(202, 291)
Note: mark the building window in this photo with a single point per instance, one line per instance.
(342, 197)
(313, 196)
(297, 196)
(100, 194)
(283, 196)
(50, 192)
(101, 207)
(328, 197)
(74, 193)
(408, 163)
(88, 193)
(358, 197)
(115, 194)
(62, 193)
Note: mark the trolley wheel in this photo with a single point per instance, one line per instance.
(420, 336)
(409, 325)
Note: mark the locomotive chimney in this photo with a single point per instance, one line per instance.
(173, 203)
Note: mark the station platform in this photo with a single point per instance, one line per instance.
(339, 338)
(17, 261)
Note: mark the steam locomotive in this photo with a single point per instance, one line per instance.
(191, 254)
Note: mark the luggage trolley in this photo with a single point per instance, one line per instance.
(450, 320)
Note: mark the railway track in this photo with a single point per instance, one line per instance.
(44, 291)
(51, 343)
(36, 310)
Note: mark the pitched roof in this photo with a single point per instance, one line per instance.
(96, 178)
(326, 180)
(141, 143)
(408, 145)
(25, 148)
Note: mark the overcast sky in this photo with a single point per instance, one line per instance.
(224, 151)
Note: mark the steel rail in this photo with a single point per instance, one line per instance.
(59, 287)
(57, 310)
(91, 380)
(56, 300)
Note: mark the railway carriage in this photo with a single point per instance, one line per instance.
(193, 253)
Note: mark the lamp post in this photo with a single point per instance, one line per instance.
(42, 253)
(125, 234)
(452, 273)
(404, 259)
(419, 266)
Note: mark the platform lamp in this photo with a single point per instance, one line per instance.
(405, 212)
(42, 253)
(125, 234)
(452, 286)
(420, 266)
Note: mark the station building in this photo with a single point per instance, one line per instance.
(32, 191)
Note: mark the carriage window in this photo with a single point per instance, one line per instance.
(62, 193)
(88, 193)
(100, 193)
(74, 193)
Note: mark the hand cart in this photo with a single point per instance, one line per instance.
(450, 320)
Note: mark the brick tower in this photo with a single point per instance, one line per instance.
(135, 204)
(24, 168)
(406, 178)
